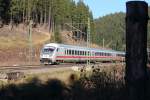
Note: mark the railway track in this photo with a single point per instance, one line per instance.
(31, 67)
(38, 67)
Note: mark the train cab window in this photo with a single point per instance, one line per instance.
(57, 49)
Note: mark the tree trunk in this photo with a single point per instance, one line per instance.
(136, 49)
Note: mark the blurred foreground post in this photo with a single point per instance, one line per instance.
(136, 49)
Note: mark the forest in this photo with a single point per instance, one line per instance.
(53, 14)
(111, 29)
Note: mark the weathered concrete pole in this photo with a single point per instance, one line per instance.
(136, 45)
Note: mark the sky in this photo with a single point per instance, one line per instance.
(103, 7)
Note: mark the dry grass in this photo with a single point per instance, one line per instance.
(60, 74)
(21, 42)
(14, 45)
(98, 86)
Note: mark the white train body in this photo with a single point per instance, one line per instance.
(56, 53)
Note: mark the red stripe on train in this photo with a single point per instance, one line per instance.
(84, 57)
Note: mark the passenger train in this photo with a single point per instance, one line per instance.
(54, 53)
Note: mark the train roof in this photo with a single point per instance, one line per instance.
(82, 47)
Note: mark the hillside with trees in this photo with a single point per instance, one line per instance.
(110, 29)
(53, 14)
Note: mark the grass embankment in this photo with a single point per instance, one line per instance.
(14, 45)
(19, 41)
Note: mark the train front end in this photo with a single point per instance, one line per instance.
(47, 55)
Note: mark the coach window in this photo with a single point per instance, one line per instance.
(102, 54)
(75, 52)
(85, 53)
(88, 53)
(72, 52)
(65, 52)
(78, 52)
(93, 54)
(69, 52)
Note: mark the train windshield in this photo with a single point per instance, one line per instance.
(48, 50)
